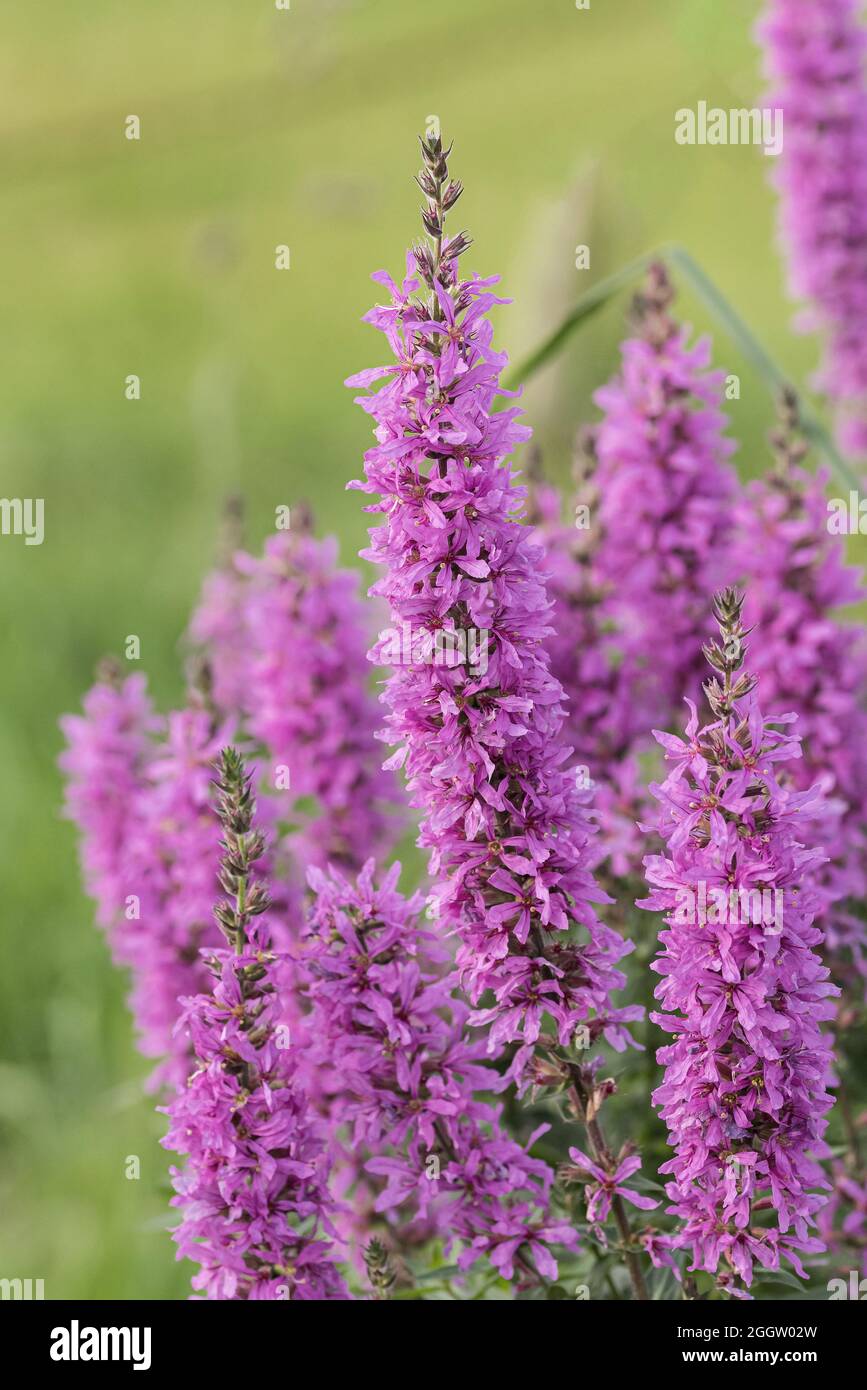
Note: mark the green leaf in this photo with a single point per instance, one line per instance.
(743, 338)
(589, 303)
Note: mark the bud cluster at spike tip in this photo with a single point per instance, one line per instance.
(814, 58)
(744, 993)
(408, 1081)
(252, 1193)
(483, 752)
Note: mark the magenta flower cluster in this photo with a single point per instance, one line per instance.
(483, 751)
(343, 1070)
(149, 848)
(108, 750)
(815, 63)
(652, 518)
(252, 1192)
(665, 493)
(140, 787)
(743, 989)
(602, 725)
(170, 864)
(407, 1082)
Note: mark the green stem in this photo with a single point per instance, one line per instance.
(580, 1092)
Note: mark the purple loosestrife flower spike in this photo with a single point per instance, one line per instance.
(252, 1192)
(149, 847)
(286, 638)
(812, 663)
(480, 738)
(406, 1081)
(473, 705)
(815, 62)
(104, 763)
(652, 516)
(743, 989)
(665, 493)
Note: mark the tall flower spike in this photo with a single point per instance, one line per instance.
(479, 724)
(815, 63)
(811, 662)
(252, 1193)
(472, 702)
(743, 989)
(149, 846)
(407, 1082)
(665, 493)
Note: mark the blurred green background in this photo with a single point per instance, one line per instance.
(156, 258)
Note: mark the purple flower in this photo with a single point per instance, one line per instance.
(743, 990)
(603, 1187)
(150, 840)
(405, 1083)
(814, 60)
(149, 847)
(651, 514)
(813, 663)
(252, 1192)
(481, 741)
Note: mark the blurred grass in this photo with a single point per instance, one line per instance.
(157, 258)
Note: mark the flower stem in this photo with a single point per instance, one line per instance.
(580, 1092)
